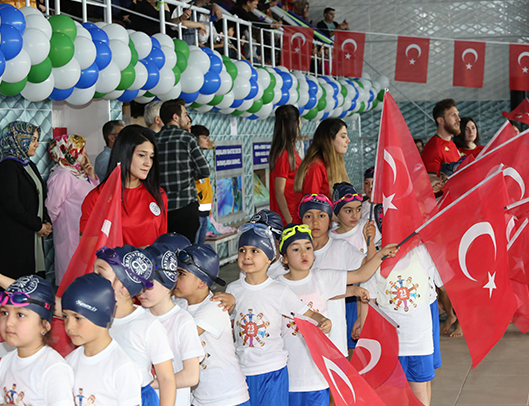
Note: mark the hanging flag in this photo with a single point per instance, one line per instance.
(376, 360)
(401, 183)
(469, 63)
(520, 113)
(519, 67)
(348, 53)
(297, 48)
(103, 228)
(504, 134)
(412, 59)
(347, 386)
(467, 242)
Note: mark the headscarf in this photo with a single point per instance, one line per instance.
(15, 140)
(67, 152)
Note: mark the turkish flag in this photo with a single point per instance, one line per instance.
(504, 134)
(347, 386)
(376, 358)
(469, 63)
(412, 59)
(521, 316)
(520, 113)
(348, 53)
(102, 228)
(467, 242)
(401, 183)
(518, 67)
(297, 48)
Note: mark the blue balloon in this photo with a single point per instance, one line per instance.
(155, 43)
(252, 117)
(253, 91)
(335, 102)
(344, 113)
(2, 63)
(335, 88)
(211, 84)
(371, 96)
(284, 97)
(216, 63)
(11, 41)
(157, 57)
(236, 103)
(60, 94)
(353, 106)
(355, 96)
(89, 26)
(325, 115)
(189, 97)
(207, 50)
(313, 86)
(128, 96)
(313, 101)
(215, 108)
(104, 54)
(153, 75)
(4, 5)
(13, 16)
(88, 77)
(98, 34)
(287, 80)
(301, 110)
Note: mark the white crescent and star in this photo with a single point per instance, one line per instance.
(298, 35)
(525, 53)
(413, 46)
(387, 203)
(469, 51)
(513, 173)
(389, 159)
(332, 367)
(375, 350)
(350, 41)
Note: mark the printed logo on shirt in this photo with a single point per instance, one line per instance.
(447, 149)
(170, 262)
(13, 396)
(139, 264)
(203, 363)
(155, 209)
(82, 400)
(291, 324)
(253, 328)
(404, 293)
(25, 284)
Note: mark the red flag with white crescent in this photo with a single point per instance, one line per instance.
(469, 63)
(348, 55)
(297, 48)
(504, 134)
(519, 67)
(412, 59)
(520, 113)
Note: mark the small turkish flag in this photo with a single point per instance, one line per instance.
(348, 56)
(504, 134)
(297, 48)
(519, 67)
(469, 63)
(468, 244)
(520, 113)
(412, 59)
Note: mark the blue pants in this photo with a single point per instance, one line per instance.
(434, 309)
(149, 396)
(247, 403)
(202, 230)
(350, 315)
(418, 368)
(312, 398)
(270, 389)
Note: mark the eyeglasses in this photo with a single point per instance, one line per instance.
(290, 232)
(21, 299)
(112, 258)
(186, 258)
(349, 197)
(317, 196)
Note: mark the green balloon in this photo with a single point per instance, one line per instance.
(63, 24)
(196, 105)
(359, 83)
(268, 95)
(149, 94)
(322, 103)
(177, 73)
(216, 100)
(40, 72)
(236, 113)
(181, 46)
(231, 69)
(362, 107)
(133, 54)
(381, 94)
(98, 95)
(311, 114)
(61, 49)
(181, 61)
(256, 106)
(324, 93)
(343, 90)
(128, 75)
(375, 103)
(272, 81)
(12, 89)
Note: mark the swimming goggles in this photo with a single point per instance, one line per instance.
(20, 299)
(292, 231)
(259, 228)
(112, 258)
(316, 196)
(349, 197)
(186, 258)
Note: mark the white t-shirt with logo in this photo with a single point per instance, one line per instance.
(42, 379)
(144, 339)
(355, 236)
(110, 378)
(185, 344)
(315, 290)
(258, 313)
(341, 256)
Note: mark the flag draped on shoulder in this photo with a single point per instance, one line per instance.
(412, 59)
(297, 48)
(469, 63)
(348, 57)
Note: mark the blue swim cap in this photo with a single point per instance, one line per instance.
(165, 264)
(134, 267)
(93, 297)
(369, 173)
(294, 232)
(271, 219)
(202, 261)
(41, 295)
(258, 235)
(315, 201)
(344, 193)
(174, 241)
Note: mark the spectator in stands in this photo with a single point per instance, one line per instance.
(151, 115)
(232, 49)
(200, 23)
(420, 144)
(468, 139)
(110, 133)
(328, 25)
(440, 148)
(150, 8)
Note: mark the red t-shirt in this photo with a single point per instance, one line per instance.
(468, 152)
(142, 219)
(282, 170)
(438, 151)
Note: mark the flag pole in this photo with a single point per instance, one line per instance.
(370, 219)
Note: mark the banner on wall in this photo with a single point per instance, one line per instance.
(229, 184)
(260, 152)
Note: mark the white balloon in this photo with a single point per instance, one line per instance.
(384, 81)
(243, 70)
(226, 83)
(329, 106)
(227, 110)
(164, 40)
(283, 69)
(204, 98)
(141, 92)
(68, 75)
(227, 101)
(121, 53)
(303, 98)
(346, 104)
(376, 87)
(142, 43)
(174, 93)
(198, 60)
(366, 75)
(166, 82)
(38, 91)
(36, 44)
(319, 92)
(28, 11)
(80, 97)
(39, 22)
(82, 32)
(241, 88)
(85, 51)
(204, 109)
(293, 96)
(109, 78)
(340, 99)
(318, 116)
(191, 80)
(263, 78)
(337, 112)
(141, 77)
(245, 114)
(277, 95)
(260, 91)
(367, 84)
(170, 57)
(245, 105)
(193, 48)
(265, 111)
(113, 95)
(294, 82)
(100, 24)
(143, 99)
(116, 32)
(328, 89)
(362, 95)
(17, 68)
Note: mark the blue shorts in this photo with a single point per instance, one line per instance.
(149, 397)
(418, 368)
(350, 315)
(312, 398)
(270, 389)
(434, 309)
(247, 403)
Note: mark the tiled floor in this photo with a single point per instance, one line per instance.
(501, 379)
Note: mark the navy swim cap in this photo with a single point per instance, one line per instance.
(271, 219)
(344, 193)
(315, 201)
(258, 235)
(202, 261)
(294, 232)
(165, 264)
(41, 295)
(174, 241)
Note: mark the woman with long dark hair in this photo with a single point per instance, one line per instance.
(468, 139)
(144, 215)
(284, 162)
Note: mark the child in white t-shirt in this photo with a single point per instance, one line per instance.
(104, 373)
(221, 382)
(260, 305)
(33, 373)
(369, 175)
(131, 270)
(182, 330)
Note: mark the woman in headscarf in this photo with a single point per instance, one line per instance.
(71, 179)
(23, 215)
